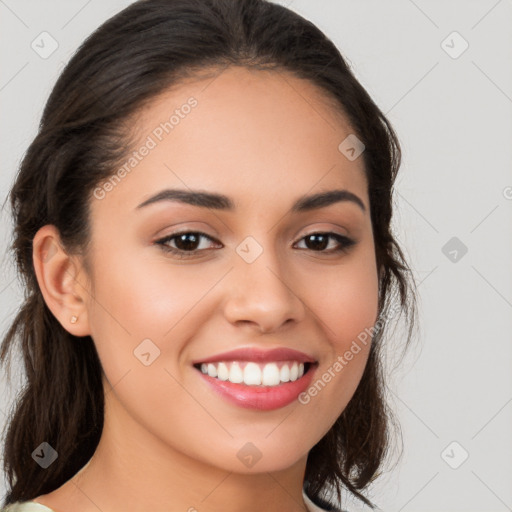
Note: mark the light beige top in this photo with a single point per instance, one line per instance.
(32, 506)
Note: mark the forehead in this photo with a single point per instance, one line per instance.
(252, 134)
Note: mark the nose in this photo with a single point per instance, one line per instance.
(262, 294)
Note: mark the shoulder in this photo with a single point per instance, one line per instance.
(26, 506)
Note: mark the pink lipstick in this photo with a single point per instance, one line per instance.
(258, 379)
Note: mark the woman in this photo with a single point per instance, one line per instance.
(203, 225)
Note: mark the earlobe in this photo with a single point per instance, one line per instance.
(59, 276)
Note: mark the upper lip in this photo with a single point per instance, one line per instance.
(259, 355)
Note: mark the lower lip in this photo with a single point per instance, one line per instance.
(262, 398)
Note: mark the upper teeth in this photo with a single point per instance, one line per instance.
(255, 374)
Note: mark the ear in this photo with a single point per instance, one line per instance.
(62, 281)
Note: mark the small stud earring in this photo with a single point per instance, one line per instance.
(73, 320)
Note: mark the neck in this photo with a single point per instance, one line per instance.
(132, 470)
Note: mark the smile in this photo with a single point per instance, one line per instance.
(258, 379)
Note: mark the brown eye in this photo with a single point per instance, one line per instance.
(186, 243)
(319, 242)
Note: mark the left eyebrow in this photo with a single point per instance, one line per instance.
(222, 202)
(323, 199)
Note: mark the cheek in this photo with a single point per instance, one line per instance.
(346, 300)
(347, 308)
(141, 299)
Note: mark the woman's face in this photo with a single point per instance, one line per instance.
(259, 277)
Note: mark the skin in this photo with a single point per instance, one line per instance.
(264, 139)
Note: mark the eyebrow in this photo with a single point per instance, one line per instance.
(222, 202)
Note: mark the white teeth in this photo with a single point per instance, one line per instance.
(271, 375)
(236, 374)
(222, 371)
(255, 374)
(212, 370)
(294, 372)
(252, 374)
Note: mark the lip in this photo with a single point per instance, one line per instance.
(261, 398)
(259, 356)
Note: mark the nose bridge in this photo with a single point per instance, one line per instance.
(259, 290)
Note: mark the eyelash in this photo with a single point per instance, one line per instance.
(345, 243)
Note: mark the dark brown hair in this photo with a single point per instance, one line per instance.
(84, 136)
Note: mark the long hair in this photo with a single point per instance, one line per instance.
(84, 135)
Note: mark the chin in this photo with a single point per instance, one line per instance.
(254, 454)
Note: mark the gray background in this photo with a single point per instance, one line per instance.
(453, 117)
